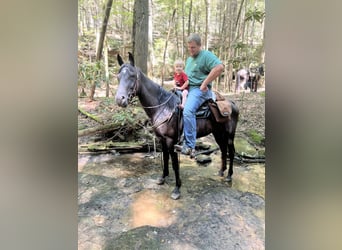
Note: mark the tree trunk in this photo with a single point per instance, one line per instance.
(106, 68)
(150, 61)
(207, 6)
(100, 129)
(99, 48)
(104, 147)
(140, 34)
(189, 21)
(166, 42)
(183, 32)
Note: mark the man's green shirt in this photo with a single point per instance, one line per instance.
(198, 68)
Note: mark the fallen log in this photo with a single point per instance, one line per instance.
(206, 152)
(242, 158)
(100, 129)
(91, 116)
(122, 147)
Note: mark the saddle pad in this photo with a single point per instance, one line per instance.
(219, 97)
(224, 107)
(217, 114)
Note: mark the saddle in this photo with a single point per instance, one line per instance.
(221, 108)
(218, 106)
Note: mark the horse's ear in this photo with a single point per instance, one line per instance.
(131, 58)
(120, 61)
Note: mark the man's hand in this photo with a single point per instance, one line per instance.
(204, 87)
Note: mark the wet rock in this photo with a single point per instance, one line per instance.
(148, 237)
(203, 159)
(244, 147)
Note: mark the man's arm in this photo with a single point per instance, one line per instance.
(214, 73)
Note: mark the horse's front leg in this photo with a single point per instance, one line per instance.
(161, 180)
(175, 165)
(231, 150)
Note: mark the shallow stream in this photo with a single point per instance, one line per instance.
(121, 206)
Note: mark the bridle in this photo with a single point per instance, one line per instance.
(132, 94)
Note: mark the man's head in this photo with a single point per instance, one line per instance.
(194, 44)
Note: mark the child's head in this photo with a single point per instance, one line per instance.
(179, 65)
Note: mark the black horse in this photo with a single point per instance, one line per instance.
(160, 106)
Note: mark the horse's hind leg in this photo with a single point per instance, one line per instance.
(226, 144)
(221, 139)
(175, 165)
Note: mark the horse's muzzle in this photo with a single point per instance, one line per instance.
(121, 100)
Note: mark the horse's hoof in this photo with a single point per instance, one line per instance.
(160, 181)
(175, 194)
(220, 173)
(228, 179)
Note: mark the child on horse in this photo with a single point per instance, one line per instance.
(181, 80)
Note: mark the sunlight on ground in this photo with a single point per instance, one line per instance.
(82, 162)
(154, 209)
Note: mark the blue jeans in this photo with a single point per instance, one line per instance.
(195, 99)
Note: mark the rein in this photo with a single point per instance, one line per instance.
(135, 93)
(159, 105)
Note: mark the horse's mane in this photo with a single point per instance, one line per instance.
(168, 99)
(165, 95)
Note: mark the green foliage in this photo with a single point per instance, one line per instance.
(247, 55)
(124, 117)
(235, 62)
(255, 136)
(239, 45)
(119, 32)
(131, 117)
(255, 15)
(89, 72)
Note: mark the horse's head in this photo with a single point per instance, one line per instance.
(128, 77)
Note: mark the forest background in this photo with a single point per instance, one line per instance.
(233, 30)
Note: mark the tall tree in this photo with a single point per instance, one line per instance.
(150, 60)
(166, 42)
(99, 49)
(206, 38)
(189, 20)
(107, 7)
(140, 34)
